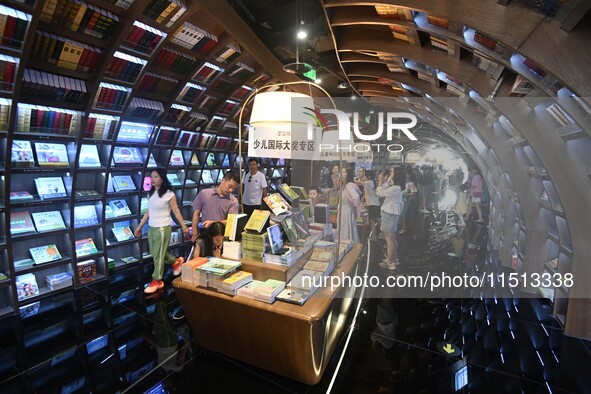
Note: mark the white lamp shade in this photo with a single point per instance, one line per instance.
(279, 108)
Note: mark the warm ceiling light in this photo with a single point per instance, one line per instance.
(318, 81)
(343, 85)
(302, 34)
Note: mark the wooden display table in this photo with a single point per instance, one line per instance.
(290, 340)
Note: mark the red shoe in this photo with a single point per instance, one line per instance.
(176, 267)
(154, 287)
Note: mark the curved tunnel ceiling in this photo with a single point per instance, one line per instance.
(511, 140)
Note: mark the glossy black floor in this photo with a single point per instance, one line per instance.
(109, 338)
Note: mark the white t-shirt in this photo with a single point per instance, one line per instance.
(253, 188)
(369, 190)
(159, 209)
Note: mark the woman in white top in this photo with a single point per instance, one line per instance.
(350, 207)
(161, 201)
(371, 200)
(391, 190)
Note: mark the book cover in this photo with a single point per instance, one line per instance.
(126, 156)
(321, 213)
(235, 225)
(50, 187)
(219, 266)
(177, 159)
(26, 286)
(287, 192)
(276, 203)
(86, 271)
(147, 185)
(45, 254)
(275, 238)
(206, 177)
(173, 179)
(22, 154)
(293, 235)
(84, 247)
(18, 196)
(301, 192)
(21, 223)
(248, 289)
(134, 132)
(49, 155)
(119, 208)
(257, 220)
(89, 157)
(123, 233)
(210, 161)
(47, 221)
(194, 160)
(237, 279)
(294, 295)
(85, 215)
(123, 183)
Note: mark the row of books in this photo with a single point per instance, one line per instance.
(124, 67)
(223, 85)
(80, 17)
(229, 53)
(152, 82)
(143, 38)
(8, 65)
(190, 92)
(194, 38)
(52, 86)
(37, 118)
(13, 27)
(488, 42)
(65, 53)
(175, 61)
(207, 72)
(165, 12)
(99, 126)
(145, 108)
(207, 102)
(111, 96)
(177, 114)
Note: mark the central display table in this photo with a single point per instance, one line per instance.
(291, 340)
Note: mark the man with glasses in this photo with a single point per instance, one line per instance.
(216, 203)
(255, 188)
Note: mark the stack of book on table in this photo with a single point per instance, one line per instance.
(189, 268)
(212, 273)
(267, 291)
(232, 250)
(233, 282)
(248, 289)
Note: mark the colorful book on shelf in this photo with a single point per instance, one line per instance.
(50, 187)
(122, 233)
(119, 208)
(26, 286)
(89, 157)
(21, 223)
(276, 239)
(301, 192)
(124, 156)
(147, 184)
(210, 161)
(85, 247)
(287, 192)
(85, 215)
(151, 161)
(235, 225)
(22, 154)
(86, 271)
(123, 183)
(45, 254)
(143, 205)
(194, 160)
(50, 155)
(206, 177)
(174, 180)
(134, 132)
(48, 221)
(176, 159)
(276, 203)
(257, 221)
(20, 196)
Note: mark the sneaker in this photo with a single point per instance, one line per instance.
(392, 266)
(176, 267)
(154, 287)
(178, 313)
(383, 264)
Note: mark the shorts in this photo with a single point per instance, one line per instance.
(475, 200)
(373, 212)
(389, 222)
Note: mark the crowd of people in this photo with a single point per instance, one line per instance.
(394, 199)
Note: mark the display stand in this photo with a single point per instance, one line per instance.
(291, 340)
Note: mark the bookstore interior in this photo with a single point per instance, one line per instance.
(447, 252)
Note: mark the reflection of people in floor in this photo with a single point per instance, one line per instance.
(165, 339)
(350, 207)
(461, 206)
(475, 193)
(391, 190)
(385, 331)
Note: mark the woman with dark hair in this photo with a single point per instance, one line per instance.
(334, 180)
(372, 201)
(211, 242)
(350, 207)
(391, 189)
(161, 201)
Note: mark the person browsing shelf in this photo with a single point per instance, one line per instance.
(254, 186)
(211, 242)
(391, 189)
(216, 203)
(161, 201)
